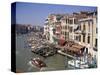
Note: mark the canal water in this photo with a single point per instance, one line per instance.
(24, 55)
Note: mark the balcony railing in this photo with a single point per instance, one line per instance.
(83, 32)
(78, 31)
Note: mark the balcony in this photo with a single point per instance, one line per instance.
(71, 25)
(46, 22)
(83, 32)
(78, 32)
(57, 32)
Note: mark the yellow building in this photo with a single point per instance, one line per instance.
(88, 28)
(86, 34)
(78, 27)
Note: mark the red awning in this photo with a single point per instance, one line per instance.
(61, 42)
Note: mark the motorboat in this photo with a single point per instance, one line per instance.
(38, 62)
(77, 64)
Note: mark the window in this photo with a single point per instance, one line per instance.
(88, 39)
(61, 32)
(79, 27)
(96, 30)
(66, 21)
(70, 29)
(79, 37)
(95, 42)
(89, 26)
(83, 38)
(65, 33)
(84, 28)
(65, 27)
(61, 27)
(75, 21)
(70, 21)
(86, 50)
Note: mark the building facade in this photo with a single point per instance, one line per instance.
(78, 27)
(87, 32)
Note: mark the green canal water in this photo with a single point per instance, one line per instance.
(24, 55)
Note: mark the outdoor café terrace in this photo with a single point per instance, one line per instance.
(71, 47)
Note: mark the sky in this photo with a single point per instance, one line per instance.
(36, 13)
